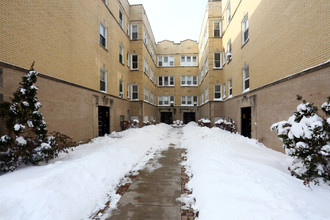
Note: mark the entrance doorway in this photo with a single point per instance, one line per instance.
(166, 117)
(104, 120)
(188, 117)
(246, 122)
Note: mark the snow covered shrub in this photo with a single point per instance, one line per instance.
(27, 140)
(226, 125)
(305, 137)
(204, 122)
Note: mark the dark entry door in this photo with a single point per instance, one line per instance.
(188, 117)
(166, 117)
(104, 120)
(246, 121)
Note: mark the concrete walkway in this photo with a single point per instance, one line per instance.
(154, 192)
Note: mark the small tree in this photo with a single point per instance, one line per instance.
(305, 137)
(27, 140)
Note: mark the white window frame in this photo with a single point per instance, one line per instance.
(133, 33)
(121, 54)
(121, 90)
(146, 67)
(214, 25)
(186, 99)
(189, 80)
(104, 35)
(152, 98)
(121, 19)
(169, 60)
(163, 99)
(228, 13)
(167, 79)
(127, 58)
(206, 94)
(246, 71)
(146, 94)
(219, 61)
(145, 38)
(132, 63)
(219, 92)
(128, 29)
(152, 75)
(105, 81)
(127, 90)
(224, 90)
(230, 87)
(135, 92)
(229, 51)
(184, 61)
(245, 29)
(206, 65)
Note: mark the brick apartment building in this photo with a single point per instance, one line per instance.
(99, 63)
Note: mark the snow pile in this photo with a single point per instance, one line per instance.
(75, 185)
(238, 178)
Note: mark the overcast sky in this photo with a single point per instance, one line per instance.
(174, 20)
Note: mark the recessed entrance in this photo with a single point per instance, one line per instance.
(246, 122)
(104, 120)
(166, 117)
(188, 117)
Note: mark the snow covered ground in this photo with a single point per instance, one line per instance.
(77, 184)
(233, 177)
(237, 178)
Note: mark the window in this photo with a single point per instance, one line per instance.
(224, 90)
(206, 94)
(146, 94)
(103, 35)
(135, 62)
(229, 51)
(230, 88)
(217, 64)
(152, 98)
(135, 92)
(189, 101)
(103, 80)
(152, 51)
(217, 28)
(202, 98)
(188, 61)
(206, 65)
(152, 74)
(127, 28)
(246, 78)
(135, 32)
(145, 37)
(165, 61)
(165, 100)
(217, 92)
(166, 81)
(245, 29)
(189, 81)
(121, 19)
(146, 67)
(121, 54)
(121, 88)
(127, 91)
(228, 13)
(127, 59)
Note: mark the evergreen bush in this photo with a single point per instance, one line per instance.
(26, 141)
(305, 137)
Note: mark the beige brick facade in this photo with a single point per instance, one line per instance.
(64, 39)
